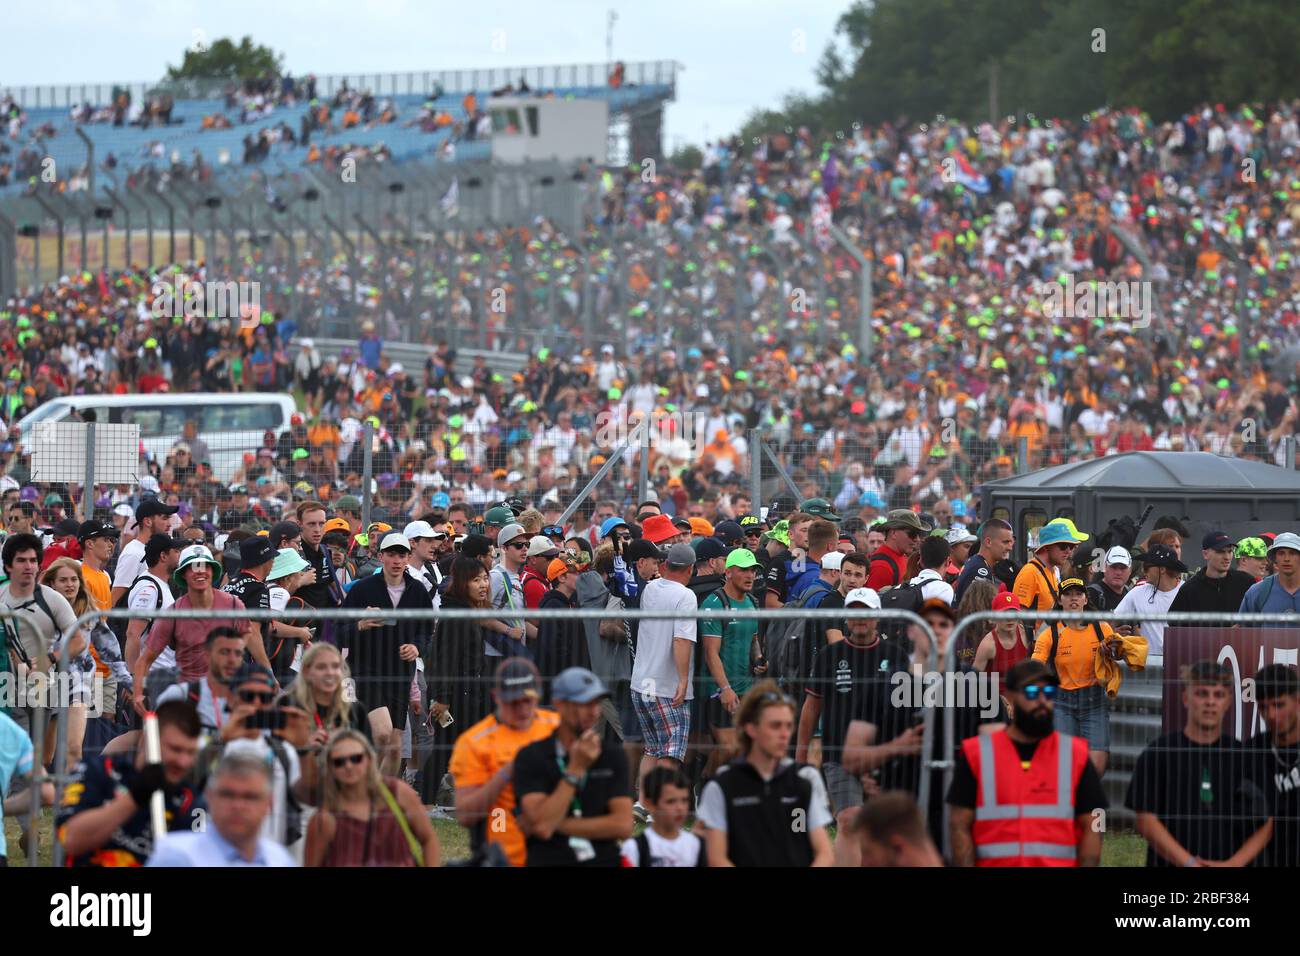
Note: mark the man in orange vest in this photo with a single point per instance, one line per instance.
(1027, 795)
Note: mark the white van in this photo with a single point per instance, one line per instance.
(230, 423)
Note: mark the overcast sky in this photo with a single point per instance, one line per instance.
(736, 54)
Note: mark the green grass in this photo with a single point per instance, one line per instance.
(1117, 849)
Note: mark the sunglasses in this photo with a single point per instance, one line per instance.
(1032, 691)
(263, 697)
(341, 762)
(916, 535)
(517, 544)
(553, 531)
(773, 697)
(625, 537)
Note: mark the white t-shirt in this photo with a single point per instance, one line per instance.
(655, 671)
(274, 827)
(1146, 599)
(144, 597)
(933, 586)
(683, 850)
(130, 564)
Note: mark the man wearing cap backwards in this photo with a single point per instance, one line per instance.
(1106, 592)
(382, 651)
(1154, 595)
(511, 634)
(98, 540)
(1279, 591)
(425, 541)
(151, 517)
(1000, 776)
(729, 647)
(960, 542)
(1217, 586)
(541, 552)
(483, 758)
(65, 543)
(662, 689)
(575, 808)
(904, 532)
(1037, 584)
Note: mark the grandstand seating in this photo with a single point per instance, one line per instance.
(130, 145)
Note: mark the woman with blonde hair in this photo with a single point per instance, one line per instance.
(64, 576)
(323, 688)
(364, 819)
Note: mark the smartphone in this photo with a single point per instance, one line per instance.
(446, 719)
(273, 719)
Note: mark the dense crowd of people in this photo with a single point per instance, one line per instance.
(719, 303)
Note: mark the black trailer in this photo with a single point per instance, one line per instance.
(1205, 492)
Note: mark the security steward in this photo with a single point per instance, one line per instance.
(1026, 795)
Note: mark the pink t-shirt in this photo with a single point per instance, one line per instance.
(187, 638)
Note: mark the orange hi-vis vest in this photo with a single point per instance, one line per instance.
(1025, 817)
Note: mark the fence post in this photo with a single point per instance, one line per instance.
(756, 469)
(643, 468)
(88, 489)
(1290, 452)
(1022, 454)
(367, 471)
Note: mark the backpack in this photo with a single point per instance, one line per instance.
(784, 643)
(643, 850)
(119, 625)
(901, 597)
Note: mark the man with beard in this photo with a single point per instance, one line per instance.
(1005, 808)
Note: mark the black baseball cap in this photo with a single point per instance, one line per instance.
(95, 529)
(707, 548)
(517, 678)
(152, 507)
(156, 546)
(1028, 671)
(641, 548)
(256, 550)
(67, 528)
(1217, 541)
(728, 532)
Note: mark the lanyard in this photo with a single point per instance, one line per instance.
(564, 768)
(216, 704)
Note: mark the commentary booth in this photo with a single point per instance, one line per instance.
(1206, 493)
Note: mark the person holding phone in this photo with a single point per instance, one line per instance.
(281, 736)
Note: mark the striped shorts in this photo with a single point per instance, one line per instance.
(664, 726)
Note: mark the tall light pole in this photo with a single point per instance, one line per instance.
(609, 39)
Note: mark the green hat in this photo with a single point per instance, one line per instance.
(500, 515)
(1252, 548)
(300, 453)
(348, 503)
(938, 451)
(741, 558)
(819, 508)
(288, 561)
(781, 532)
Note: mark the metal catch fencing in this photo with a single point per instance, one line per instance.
(441, 740)
(1149, 705)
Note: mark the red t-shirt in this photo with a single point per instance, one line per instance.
(881, 575)
(187, 637)
(535, 588)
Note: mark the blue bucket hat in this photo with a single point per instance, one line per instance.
(609, 524)
(1058, 532)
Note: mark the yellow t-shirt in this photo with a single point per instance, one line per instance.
(1030, 585)
(483, 750)
(98, 586)
(1076, 652)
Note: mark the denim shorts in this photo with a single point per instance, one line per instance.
(1083, 713)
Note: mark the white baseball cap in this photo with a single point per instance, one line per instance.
(1287, 539)
(540, 544)
(394, 539)
(959, 535)
(418, 529)
(864, 596)
(1119, 555)
(832, 560)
